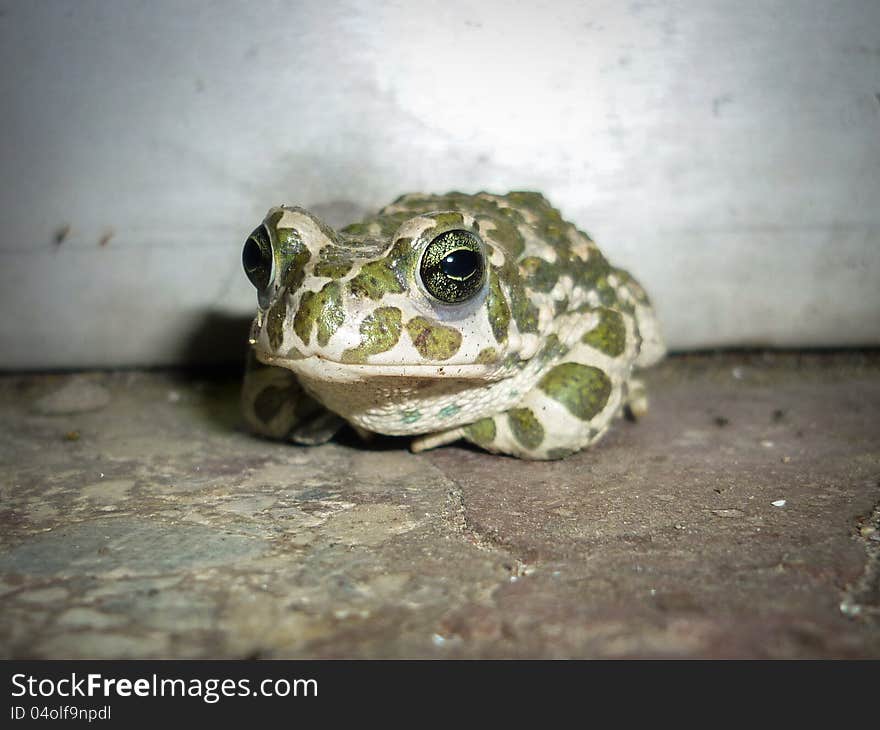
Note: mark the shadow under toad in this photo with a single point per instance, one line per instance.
(217, 343)
(212, 357)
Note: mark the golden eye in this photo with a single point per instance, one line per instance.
(452, 268)
(257, 259)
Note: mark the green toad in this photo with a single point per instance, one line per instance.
(480, 317)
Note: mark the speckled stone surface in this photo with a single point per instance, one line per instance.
(739, 518)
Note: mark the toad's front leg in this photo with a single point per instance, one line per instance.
(275, 405)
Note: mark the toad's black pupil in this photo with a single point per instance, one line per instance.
(460, 264)
(252, 256)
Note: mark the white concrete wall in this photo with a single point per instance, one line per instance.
(728, 153)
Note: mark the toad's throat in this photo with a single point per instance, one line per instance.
(398, 402)
(405, 400)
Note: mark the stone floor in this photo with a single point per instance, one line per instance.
(739, 518)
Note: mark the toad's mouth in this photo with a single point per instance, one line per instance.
(321, 368)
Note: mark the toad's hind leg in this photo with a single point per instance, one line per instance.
(570, 408)
(275, 405)
(440, 438)
(636, 399)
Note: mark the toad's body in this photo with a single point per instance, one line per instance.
(483, 317)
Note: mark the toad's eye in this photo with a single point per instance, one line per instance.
(452, 268)
(257, 259)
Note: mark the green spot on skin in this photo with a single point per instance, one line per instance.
(553, 231)
(269, 402)
(525, 427)
(496, 306)
(528, 199)
(375, 280)
(549, 223)
(609, 335)
(481, 432)
(433, 341)
(305, 316)
(560, 453)
(525, 314)
(487, 356)
(593, 274)
(272, 219)
(334, 262)
(632, 285)
(388, 225)
(504, 234)
(295, 260)
(356, 229)
(275, 319)
(553, 349)
(607, 295)
(323, 308)
(411, 416)
(448, 221)
(388, 275)
(332, 270)
(540, 275)
(380, 331)
(582, 389)
(383, 224)
(449, 410)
